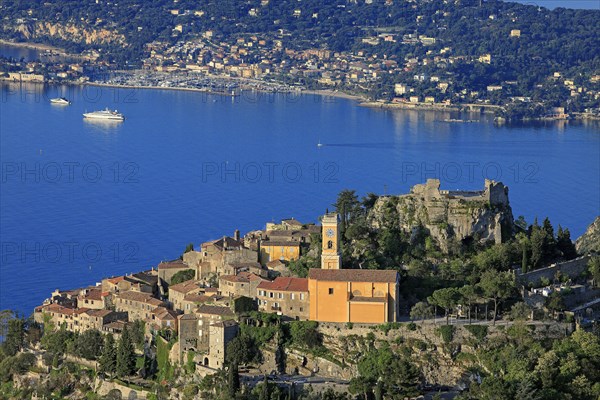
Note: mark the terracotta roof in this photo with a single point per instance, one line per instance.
(197, 298)
(119, 325)
(185, 287)
(353, 275)
(98, 313)
(164, 313)
(176, 264)
(92, 294)
(116, 279)
(288, 284)
(214, 310)
(244, 277)
(230, 243)
(187, 316)
(140, 297)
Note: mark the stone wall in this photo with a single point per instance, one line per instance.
(104, 387)
(572, 268)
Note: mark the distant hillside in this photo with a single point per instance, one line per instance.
(566, 39)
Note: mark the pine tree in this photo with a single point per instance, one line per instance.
(108, 359)
(125, 355)
(564, 243)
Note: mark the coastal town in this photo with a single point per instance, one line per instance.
(197, 305)
(388, 68)
(300, 200)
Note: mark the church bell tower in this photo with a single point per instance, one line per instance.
(330, 251)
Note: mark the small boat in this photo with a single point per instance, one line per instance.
(105, 114)
(61, 101)
(319, 144)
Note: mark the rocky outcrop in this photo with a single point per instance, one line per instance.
(448, 215)
(69, 32)
(589, 242)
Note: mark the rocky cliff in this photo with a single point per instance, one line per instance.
(68, 32)
(449, 215)
(589, 242)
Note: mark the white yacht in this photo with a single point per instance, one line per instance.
(61, 101)
(105, 114)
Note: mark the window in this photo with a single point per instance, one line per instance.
(330, 290)
(301, 296)
(280, 295)
(271, 295)
(292, 296)
(301, 309)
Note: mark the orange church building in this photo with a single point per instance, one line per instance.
(353, 295)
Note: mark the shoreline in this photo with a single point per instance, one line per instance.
(34, 46)
(358, 100)
(41, 47)
(323, 93)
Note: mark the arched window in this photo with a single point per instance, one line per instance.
(330, 244)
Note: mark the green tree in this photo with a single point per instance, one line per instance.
(233, 380)
(125, 355)
(348, 207)
(242, 350)
(564, 243)
(265, 390)
(446, 298)
(89, 344)
(555, 302)
(468, 295)
(306, 333)
(497, 286)
(538, 241)
(520, 311)
(15, 336)
(421, 310)
(108, 359)
(183, 276)
(594, 269)
(138, 330)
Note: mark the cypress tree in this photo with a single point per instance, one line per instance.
(265, 392)
(108, 359)
(233, 380)
(125, 355)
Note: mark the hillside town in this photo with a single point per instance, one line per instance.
(231, 275)
(199, 302)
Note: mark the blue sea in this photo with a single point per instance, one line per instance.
(83, 200)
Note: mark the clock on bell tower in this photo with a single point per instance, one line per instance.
(330, 253)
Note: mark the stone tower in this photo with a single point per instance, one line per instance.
(330, 252)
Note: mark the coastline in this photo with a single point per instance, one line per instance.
(324, 93)
(35, 46)
(42, 47)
